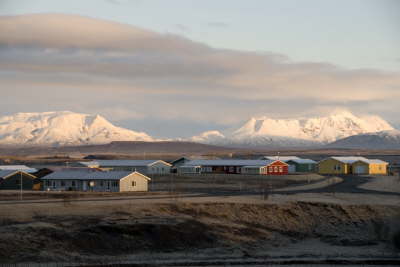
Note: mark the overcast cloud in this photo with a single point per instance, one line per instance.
(133, 76)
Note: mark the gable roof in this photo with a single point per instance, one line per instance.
(351, 160)
(281, 158)
(6, 173)
(374, 161)
(23, 168)
(90, 175)
(123, 163)
(228, 162)
(302, 161)
(178, 160)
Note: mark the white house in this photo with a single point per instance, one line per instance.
(143, 166)
(97, 181)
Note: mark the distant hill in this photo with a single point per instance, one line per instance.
(380, 140)
(137, 148)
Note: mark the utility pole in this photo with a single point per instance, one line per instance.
(20, 175)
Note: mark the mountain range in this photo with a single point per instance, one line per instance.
(62, 128)
(339, 130)
(311, 132)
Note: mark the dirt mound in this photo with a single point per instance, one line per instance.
(189, 227)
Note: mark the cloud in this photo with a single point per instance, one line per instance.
(128, 73)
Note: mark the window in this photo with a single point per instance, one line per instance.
(133, 183)
(73, 183)
(18, 181)
(280, 169)
(101, 183)
(271, 169)
(115, 183)
(276, 169)
(47, 183)
(62, 183)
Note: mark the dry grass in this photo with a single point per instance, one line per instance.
(109, 229)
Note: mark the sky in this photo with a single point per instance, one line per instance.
(180, 67)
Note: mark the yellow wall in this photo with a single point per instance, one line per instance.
(141, 183)
(378, 168)
(327, 167)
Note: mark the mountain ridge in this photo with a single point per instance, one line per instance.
(309, 132)
(62, 128)
(380, 140)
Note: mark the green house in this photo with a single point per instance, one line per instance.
(302, 165)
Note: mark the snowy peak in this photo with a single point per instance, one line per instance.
(211, 137)
(323, 129)
(300, 132)
(62, 128)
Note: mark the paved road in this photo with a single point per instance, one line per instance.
(350, 184)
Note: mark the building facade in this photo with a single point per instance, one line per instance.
(301, 165)
(352, 165)
(96, 181)
(147, 167)
(233, 166)
(11, 180)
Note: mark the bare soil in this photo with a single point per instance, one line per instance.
(114, 232)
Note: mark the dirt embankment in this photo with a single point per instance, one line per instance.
(193, 227)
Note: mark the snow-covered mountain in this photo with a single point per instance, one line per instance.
(209, 137)
(62, 128)
(299, 132)
(381, 140)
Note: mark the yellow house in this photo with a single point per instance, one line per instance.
(332, 166)
(352, 165)
(377, 166)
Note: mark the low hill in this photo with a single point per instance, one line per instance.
(380, 140)
(138, 148)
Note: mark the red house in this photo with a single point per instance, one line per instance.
(277, 167)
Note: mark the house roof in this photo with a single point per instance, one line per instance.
(123, 163)
(302, 161)
(374, 161)
(18, 168)
(178, 160)
(6, 173)
(228, 162)
(281, 158)
(91, 175)
(351, 160)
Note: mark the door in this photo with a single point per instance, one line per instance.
(361, 169)
(84, 185)
(292, 168)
